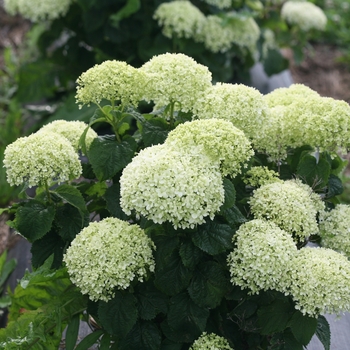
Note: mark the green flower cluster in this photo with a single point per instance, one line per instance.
(72, 131)
(288, 205)
(218, 139)
(175, 78)
(40, 159)
(262, 257)
(259, 176)
(304, 15)
(38, 10)
(321, 279)
(164, 184)
(113, 81)
(221, 4)
(242, 105)
(335, 229)
(180, 18)
(109, 254)
(210, 341)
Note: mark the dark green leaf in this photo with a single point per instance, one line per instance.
(213, 238)
(274, 62)
(34, 220)
(89, 340)
(190, 254)
(107, 156)
(244, 309)
(233, 216)
(303, 327)
(285, 341)
(71, 195)
(335, 186)
(274, 317)
(230, 194)
(6, 270)
(169, 345)
(105, 342)
(112, 197)
(118, 315)
(209, 285)
(154, 131)
(72, 332)
(127, 10)
(314, 173)
(323, 332)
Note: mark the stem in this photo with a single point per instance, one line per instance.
(172, 104)
(48, 192)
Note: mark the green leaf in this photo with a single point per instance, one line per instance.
(274, 317)
(71, 195)
(335, 186)
(190, 254)
(112, 197)
(154, 131)
(72, 332)
(151, 301)
(89, 340)
(233, 216)
(107, 156)
(323, 332)
(314, 173)
(169, 345)
(34, 220)
(303, 327)
(171, 276)
(274, 62)
(126, 11)
(118, 315)
(230, 194)
(213, 238)
(285, 341)
(6, 270)
(186, 317)
(105, 342)
(209, 285)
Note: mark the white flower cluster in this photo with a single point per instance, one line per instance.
(221, 4)
(288, 205)
(260, 175)
(242, 105)
(41, 158)
(180, 18)
(321, 280)
(304, 15)
(109, 254)
(71, 130)
(113, 81)
(262, 257)
(210, 341)
(218, 139)
(175, 78)
(335, 229)
(163, 184)
(38, 10)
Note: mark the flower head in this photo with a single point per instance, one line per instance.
(71, 130)
(175, 78)
(38, 10)
(242, 105)
(304, 15)
(110, 80)
(260, 175)
(221, 4)
(335, 229)
(262, 256)
(321, 279)
(288, 205)
(164, 184)
(210, 341)
(108, 254)
(218, 139)
(179, 18)
(41, 158)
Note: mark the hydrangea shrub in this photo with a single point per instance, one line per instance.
(186, 227)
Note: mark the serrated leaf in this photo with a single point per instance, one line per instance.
(112, 198)
(107, 156)
(230, 194)
(34, 219)
(303, 327)
(71, 195)
(334, 187)
(190, 254)
(213, 238)
(323, 332)
(154, 131)
(118, 315)
(274, 317)
(233, 216)
(89, 340)
(209, 285)
(72, 332)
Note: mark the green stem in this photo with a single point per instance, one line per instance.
(172, 105)
(48, 192)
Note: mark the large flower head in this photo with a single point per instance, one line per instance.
(71, 130)
(109, 254)
(210, 341)
(111, 80)
(288, 205)
(261, 258)
(260, 175)
(179, 18)
(175, 78)
(242, 105)
(40, 159)
(38, 10)
(304, 15)
(164, 184)
(218, 138)
(321, 280)
(335, 229)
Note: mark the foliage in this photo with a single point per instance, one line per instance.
(215, 253)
